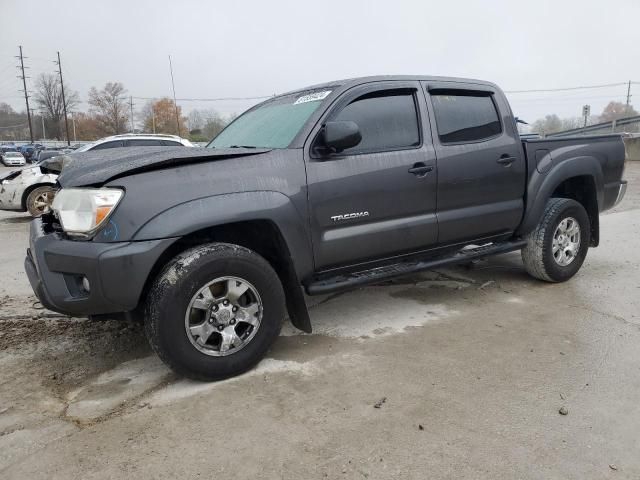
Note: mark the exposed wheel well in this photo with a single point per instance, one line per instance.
(582, 189)
(261, 236)
(29, 189)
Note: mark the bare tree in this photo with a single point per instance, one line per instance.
(548, 124)
(48, 97)
(195, 120)
(109, 106)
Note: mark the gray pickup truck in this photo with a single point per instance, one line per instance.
(319, 190)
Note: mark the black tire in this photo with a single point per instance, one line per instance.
(35, 198)
(538, 256)
(181, 279)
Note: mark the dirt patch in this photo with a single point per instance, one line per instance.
(62, 351)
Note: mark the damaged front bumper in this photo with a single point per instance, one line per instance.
(88, 278)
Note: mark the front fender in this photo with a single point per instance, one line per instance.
(542, 185)
(208, 212)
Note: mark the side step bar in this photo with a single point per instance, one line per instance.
(387, 272)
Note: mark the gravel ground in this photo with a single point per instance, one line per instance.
(458, 373)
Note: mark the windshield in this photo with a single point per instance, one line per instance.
(274, 124)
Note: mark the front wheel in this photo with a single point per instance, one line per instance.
(214, 311)
(557, 247)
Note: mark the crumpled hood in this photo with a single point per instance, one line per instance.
(99, 166)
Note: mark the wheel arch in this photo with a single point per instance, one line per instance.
(579, 178)
(262, 236)
(31, 188)
(582, 189)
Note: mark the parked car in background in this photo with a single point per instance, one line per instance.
(27, 151)
(7, 148)
(136, 140)
(44, 154)
(32, 189)
(13, 159)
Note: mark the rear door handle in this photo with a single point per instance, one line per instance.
(420, 169)
(506, 160)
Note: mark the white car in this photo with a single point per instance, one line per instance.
(32, 189)
(13, 159)
(136, 140)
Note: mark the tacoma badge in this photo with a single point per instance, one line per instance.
(348, 216)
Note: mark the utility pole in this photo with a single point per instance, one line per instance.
(33, 115)
(64, 101)
(73, 121)
(131, 107)
(26, 95)
(626, 111)
(44, 133)
(173, 86)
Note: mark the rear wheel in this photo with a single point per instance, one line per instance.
(557, 248)
(39, 200)
(214, 311)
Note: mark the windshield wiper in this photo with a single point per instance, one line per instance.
(243, 146)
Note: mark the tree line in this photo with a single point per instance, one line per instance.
(553, 123)
(108, 113)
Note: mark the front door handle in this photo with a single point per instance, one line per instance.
(506, 160)
(420, 169)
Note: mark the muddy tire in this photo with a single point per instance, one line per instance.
(39, 200)
(214, 311)
(557, 248)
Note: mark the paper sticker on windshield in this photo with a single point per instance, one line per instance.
(312, 97)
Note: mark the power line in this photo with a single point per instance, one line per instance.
(564, 99)
(569, 88)
(221, 99)
(13, 126)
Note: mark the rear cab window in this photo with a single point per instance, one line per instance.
(465, 116)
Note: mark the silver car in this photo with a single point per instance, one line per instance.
(13, 159)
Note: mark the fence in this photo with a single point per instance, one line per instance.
(622, 125)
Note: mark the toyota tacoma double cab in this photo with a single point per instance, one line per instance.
(314, 191)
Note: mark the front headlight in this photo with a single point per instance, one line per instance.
(81, 211)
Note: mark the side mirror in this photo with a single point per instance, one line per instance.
(338, 136)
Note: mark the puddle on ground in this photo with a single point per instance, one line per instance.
(187, 388)
(375, 311)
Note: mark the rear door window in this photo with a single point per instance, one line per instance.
(113, 144)
(143, 142)
(170, 143)
(465, 116)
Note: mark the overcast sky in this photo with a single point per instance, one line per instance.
(252, 48)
